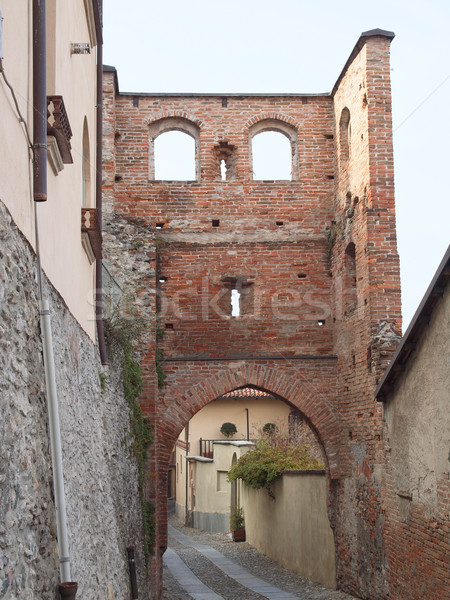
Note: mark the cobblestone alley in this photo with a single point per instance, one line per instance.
(206, 566)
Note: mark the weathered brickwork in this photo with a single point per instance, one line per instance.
(314, 260)
(101, 481)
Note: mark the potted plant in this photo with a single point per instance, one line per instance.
(269, 429)
(237, 524)
(228, 430)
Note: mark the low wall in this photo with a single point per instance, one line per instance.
(103, 506)
(294, 528)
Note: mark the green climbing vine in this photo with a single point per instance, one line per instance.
(122, 331)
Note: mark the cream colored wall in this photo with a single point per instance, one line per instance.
(207, 422)
(207, 480)
(294, 528)
(213, 491)
(16, 166)
(73, 77)
(417, 417)
(180, 478)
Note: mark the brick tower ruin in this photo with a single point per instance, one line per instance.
(313, 260)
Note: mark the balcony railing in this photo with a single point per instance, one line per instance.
(90, 229)
(207, 446)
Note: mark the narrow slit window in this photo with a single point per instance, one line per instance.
(350, 291)
(223, 170)
(344, 135)
(235, 303)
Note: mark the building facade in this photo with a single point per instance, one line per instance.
(286, 285)
(50, 247)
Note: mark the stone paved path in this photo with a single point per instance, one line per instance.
(205, 566)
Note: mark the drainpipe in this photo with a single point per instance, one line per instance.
(39, 103)
(98, 200)
(187, 466)
(248, 425)
(40, 195)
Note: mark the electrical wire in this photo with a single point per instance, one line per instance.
(13, 94)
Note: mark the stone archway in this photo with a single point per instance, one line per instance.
(295, 390)
(288, 386)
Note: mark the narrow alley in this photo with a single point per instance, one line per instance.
(208, 566)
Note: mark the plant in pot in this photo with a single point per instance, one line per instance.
(269, 429)
(228, 430)
(237, 524)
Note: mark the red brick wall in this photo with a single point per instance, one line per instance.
(327, 370)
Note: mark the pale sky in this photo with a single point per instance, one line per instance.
(291, 46)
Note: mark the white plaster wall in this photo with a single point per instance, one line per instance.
(74, 77)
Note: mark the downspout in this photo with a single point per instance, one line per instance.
(98, 197)
(40, 195)
(187, 467)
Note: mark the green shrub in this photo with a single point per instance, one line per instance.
(228, 429)
(262, 466)
(269, 428)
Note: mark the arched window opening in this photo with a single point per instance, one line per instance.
(350, 292)
(273, 151)
(174, 150)
(344, 135)
(175, 156)
(86, 169)
(272, 156)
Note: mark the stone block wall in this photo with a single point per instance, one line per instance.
(103, 505)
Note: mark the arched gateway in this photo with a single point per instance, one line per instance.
(247, 282)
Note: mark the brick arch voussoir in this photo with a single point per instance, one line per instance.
(322, 416)
(170, 114)
(273, 116)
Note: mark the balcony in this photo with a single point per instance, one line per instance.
(58, 127)
(91, 236)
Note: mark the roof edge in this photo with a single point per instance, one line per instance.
(110, 69)
(365, 35)
(414, 331)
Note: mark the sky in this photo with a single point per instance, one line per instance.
(293, 46)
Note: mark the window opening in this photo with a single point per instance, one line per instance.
(223, 170)
(350, 292)
(344, 135)
(235, 303)
(175, 156)
(272, 156)
(226, 158)
(215, 222)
